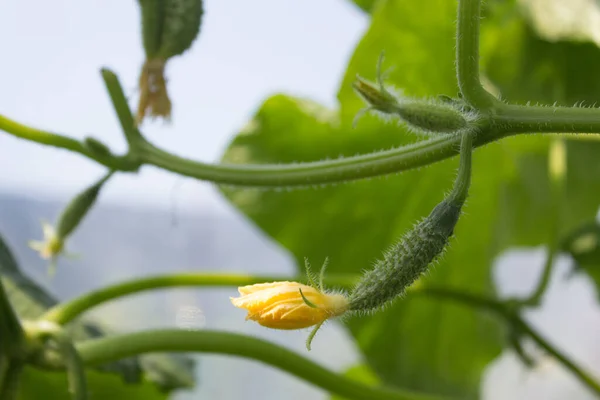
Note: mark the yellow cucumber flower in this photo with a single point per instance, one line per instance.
(288, 305)
(292, 305)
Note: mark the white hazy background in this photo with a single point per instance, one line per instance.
(246, 52)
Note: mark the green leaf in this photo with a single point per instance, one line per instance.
(555, 20)
(583, 244)
(30, 301)
(532, 69)
(421, 343)
(536, 70)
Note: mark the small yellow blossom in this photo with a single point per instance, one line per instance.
(51, 246)
(289, 305)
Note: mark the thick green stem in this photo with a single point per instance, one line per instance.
(66, 312)
(47, 331)
(99, 351)
(520, 119)
(339, 170)
(467, 56)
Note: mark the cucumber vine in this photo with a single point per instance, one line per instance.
(45, 343)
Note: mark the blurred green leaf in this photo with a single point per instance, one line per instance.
(30, 301)
(583, 244)
(532, 69)
(425, 344)
(420, 343)
(361, 373)
(36, 385)
(554, 20)
(537, 71)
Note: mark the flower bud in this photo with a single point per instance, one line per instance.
(429, 116)
(289, 305)
(53, 243)
(78, 208)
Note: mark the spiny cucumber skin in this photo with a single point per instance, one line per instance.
(407, 260)
(181, 25)
(152, 25)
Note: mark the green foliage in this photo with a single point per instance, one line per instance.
(139, 376)
(361, 373)
(53, 386)
(583, 244)
(425, 344)
(418, 344)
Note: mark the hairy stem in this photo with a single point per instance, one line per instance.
(99, 351)
(339, 170)
(467, 56)
(540, 119)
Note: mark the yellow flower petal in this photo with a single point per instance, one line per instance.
(280, 305)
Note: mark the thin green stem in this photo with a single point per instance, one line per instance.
(12, 378)
(505, 311)
(467, 56)
(119, 101)
(63, 142)
(585, 378)
(462, 183)
(536, 297)
(67, 311)
(99, 351)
